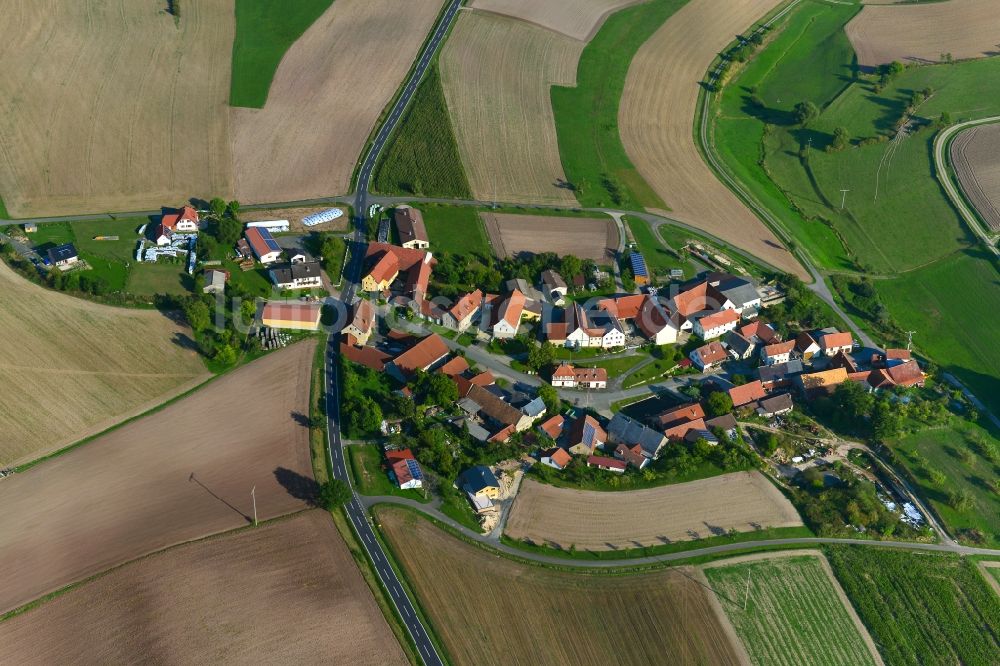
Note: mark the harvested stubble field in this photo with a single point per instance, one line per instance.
(657, 108)
(112, 105)
(295, 215)
(583, 237)
(496, 73)
(922, 33)
(236, 599)
(326, 97)
(578, 19)
(974, 155)
(176, 475)
(489, 610)
(600, 521)
(796, 612)
(70, 368)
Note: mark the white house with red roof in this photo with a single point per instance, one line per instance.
(778, 352)
(835, 341)
(708, 356)
(508, 316)
(716, 324)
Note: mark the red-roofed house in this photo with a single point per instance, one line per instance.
(714, 325)
(185, 220)
(406, 470)
(631, 455)
(906, 374)
(422, 356)
(806, 346)
(262, 244)
(586, 435)
(566, 376)
(508, 316)
(680, 431)
(385, 262)
(744, 395)
(362, 320)
(778, 352)
(556, 457)
(656, 323)
(831, 343)
(455, 366)
(761, 332)
(607, 464)
(553, 426)
(459, 317)
(624, 307)
(682, 414)
(709, 355)
(366, 356)
(890, 357)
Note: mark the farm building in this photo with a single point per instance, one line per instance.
(215, 282)
(760, 333)
(556, 457)
(184, 220)
(273, 226)
(362, 319)
(631, 455)
(554, 287)
(775, 405)
(263, 245)
(422, 356)
(681, 414)
(553, 426)
(385, 263)
(639, 270)
(747, 393)
(806, 346)
(30, 227)
(296, 316)
(627, 431)
(306, 275)
(708, 356)
(775, 376)
(366, 356)
(821, 383)
(716, 324)
(499, 413)
(740, 292)
(578, 329)
(405, 469)
(605, 463)
(411, 229)
(778, 352)
(63, 256)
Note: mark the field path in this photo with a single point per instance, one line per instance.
(656, 115)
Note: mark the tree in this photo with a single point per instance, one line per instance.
(233, 209)
(333, 494)
(228, 230)
(197, 314)
(570, 266)
(540, 356)
(550, 397)
(217, 208)
(718, 403)
(887, 422)
(225, 355)
(841, 139)
(805, 113)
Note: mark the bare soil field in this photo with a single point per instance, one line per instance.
(594, 520)
(579, 19)
(490, 610)
(656, 114)
(975, 155)
(326, 97)
(295, 215)
(922, 32)
(176, 475)
(286, 592)
(584, 237)
(496, 73)
(70, 368)
(111, 105)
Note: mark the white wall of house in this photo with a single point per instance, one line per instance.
(776, 359)
(502, 330)
(714, 332)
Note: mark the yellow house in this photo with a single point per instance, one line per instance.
(479, 482)
(382, 274)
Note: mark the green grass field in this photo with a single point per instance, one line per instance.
(422, 157)
(921, 608)
(793, 614)
(616, 366)
(587, 115)
(658, 258)
(956, 452)
(264, 32)
(649, 373)
(455, 229)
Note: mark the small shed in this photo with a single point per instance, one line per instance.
(30, 227)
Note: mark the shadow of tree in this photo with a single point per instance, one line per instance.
(298, 486)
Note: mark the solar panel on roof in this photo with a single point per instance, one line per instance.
(638, 264)
(414, 469)
(268, 239)
(588, 433)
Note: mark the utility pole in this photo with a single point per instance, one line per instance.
(746, 597)
(843, 198)
(253, 495)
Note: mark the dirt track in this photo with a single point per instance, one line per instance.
(327, 94)
(583, 237)
(132, 491)
(70, 368)
(974, 154)
(110, 105)
(921, 33)
(286, 592)
(656, 115)
(594, 520)
(579, 19)
(496, 73)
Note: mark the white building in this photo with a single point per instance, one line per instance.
(716, 324)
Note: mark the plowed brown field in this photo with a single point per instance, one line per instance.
(111, 105)
(578, 19)
(491, 610)
(496, 73)
(975, 154)
(905, 32)
(181, 473)
(593, 520)
(69, 368)
(325, 98)
(583, 237)
(287, 592)
(656, 114)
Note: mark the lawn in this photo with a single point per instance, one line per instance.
(163, 277)
(587, 115)
(956, 451)
(659, 259)
(788, 597)
(264, 31)
(921, 608)
(455, 229)
(422, 157)
(370, 478)
(616, 366)
(650, 372)
(489, 609)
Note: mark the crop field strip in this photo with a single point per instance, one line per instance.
(489, 610)
(657, 108)
(69, 368)
(260, 595)
(921, 608)
(181, 473)
(583, 237)
(921, 33)
(974, 158)
(599, 521)
(579, 19)
(496, 73)
(146, 121)
(795, 611)
(340, 71)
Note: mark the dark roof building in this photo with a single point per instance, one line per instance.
(477, 479)
(63, 254)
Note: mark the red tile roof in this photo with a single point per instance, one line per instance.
(711, 353)
(564, 371)
(255, 236)
(511, 308)
(484, 378)
(580, 428)
(603, 461)
(559, 456)
(897, 354)
(698, 298)
(624, 307)
(804, 341)
(720, 318)
(743, 395)
(631, 455)
(779, 348)
(385, 268)
(410, 224)
(402, 471)
(363, 315)
(466, 305)
(681, 429)
(393, 456)
(591, 374)
(297, 312)
(170, 220)
(502, 435)
(681, 414)
(553, 426)
(906, 374)
(832, 340)
(455, 366)
(366, 356)
(422, 355)
(761, 329)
